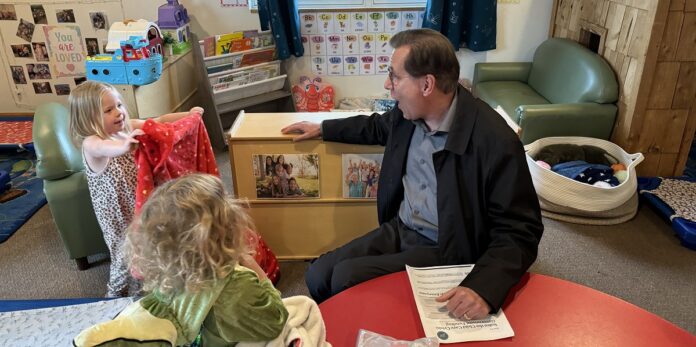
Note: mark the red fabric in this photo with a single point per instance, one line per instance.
(171, 150)
(15, 132)
(264, 256)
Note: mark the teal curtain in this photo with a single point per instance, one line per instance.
(466, 23)
(282, 18)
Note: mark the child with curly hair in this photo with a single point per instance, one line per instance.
(188, 244)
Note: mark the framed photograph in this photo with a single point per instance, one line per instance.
(80, 80)
(18, 74)
(40, 51)
(25, 30)
(62, 89)
(361, 175)
(7, 12)
(22, 51)
(286, 176)
(42, 88)
(65, 16)
(98, 20)
(38, 72)
(39, 14)
(92, 46)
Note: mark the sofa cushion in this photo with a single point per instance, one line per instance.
(563, 71)
(508, 95)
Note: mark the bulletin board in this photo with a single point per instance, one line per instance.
(45, 43)
(352, 43)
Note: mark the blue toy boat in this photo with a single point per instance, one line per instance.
(131, 64)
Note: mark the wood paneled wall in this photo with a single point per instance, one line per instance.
(651, 45)
(670, 113)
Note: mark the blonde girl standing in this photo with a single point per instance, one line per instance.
(100, 126)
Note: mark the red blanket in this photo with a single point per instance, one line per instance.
(171, 150)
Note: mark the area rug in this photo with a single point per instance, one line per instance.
(23, 195)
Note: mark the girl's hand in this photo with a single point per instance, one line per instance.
(197, 109)
(130, 141)
(248, 261)
(134, 133)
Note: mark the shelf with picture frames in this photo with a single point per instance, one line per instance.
(298, 227)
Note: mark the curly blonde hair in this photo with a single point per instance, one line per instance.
(188, 235)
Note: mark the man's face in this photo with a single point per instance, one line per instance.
(404, 88)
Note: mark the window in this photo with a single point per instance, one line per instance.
(344, 4)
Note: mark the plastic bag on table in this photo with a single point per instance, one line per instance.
(368, 338)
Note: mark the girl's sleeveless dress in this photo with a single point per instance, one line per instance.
(113, 197)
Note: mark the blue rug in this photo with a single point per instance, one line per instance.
(23, 195)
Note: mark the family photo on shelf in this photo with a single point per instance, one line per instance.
(282, 176)
(361, 173)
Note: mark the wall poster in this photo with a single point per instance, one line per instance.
(66, 50)
(344, 43)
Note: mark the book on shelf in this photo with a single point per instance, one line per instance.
(258, 57)
(243, 44)
(224, 42)
(208, 46)
(259, 39)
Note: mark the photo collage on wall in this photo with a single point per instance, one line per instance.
(47, 46)
(353, 43)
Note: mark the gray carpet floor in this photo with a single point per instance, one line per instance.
(640, 261)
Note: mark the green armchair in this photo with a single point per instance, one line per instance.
(65, 185)
(567, 90)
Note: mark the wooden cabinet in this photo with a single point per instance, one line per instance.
(307, 227)
(175, 91)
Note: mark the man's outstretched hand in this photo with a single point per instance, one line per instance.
(307, 130)
(464, 303)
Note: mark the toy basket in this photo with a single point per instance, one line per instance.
(566, 192)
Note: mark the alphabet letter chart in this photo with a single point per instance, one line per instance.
(353, 43)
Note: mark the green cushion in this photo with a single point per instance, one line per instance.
(56, 154)
(563, 71)
(509, 95)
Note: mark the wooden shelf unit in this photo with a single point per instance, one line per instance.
(299, 228)
(220, 115)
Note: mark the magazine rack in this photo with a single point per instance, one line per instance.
(223, 96)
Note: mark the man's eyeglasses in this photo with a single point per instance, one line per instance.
(390, 71)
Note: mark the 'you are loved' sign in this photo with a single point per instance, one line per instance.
(66, 50)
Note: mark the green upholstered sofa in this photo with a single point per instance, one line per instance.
(567, 90)
(65, 185)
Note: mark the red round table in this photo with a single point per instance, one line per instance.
(542, 310)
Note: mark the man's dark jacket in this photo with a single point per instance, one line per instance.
(488, 212)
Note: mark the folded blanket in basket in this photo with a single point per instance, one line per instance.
(585, 172)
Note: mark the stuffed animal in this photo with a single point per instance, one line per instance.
(313, 95)
(563, 152)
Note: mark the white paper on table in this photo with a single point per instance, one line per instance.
(430, 282)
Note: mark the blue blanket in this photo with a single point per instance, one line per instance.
(685, 229)
(24, 196)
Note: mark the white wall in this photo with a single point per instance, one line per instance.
(521, 28)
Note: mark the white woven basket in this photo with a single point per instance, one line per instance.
(565, 191)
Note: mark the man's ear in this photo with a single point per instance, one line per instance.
(428, 85)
